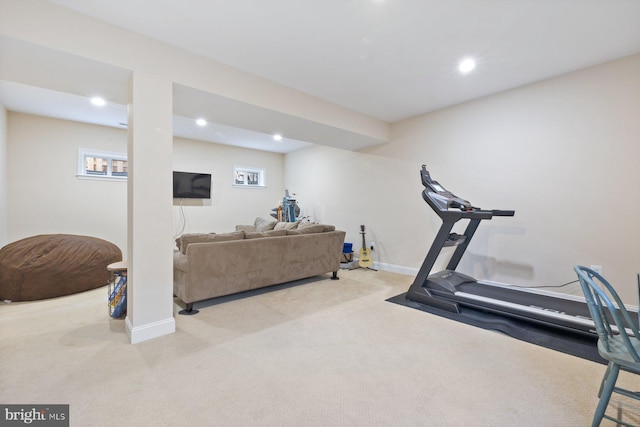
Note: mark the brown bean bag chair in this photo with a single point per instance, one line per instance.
(53, 265)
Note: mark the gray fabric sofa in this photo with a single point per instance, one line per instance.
(213, 265)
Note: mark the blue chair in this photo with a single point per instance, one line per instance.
(618, 338)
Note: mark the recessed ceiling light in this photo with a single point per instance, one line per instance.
(201, 122)
(97, 101)
(466, 65)
(277, 137)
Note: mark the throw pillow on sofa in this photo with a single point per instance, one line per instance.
(263, 224)
(286, 225)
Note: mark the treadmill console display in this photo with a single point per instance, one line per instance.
(443, 199)
(437, 187)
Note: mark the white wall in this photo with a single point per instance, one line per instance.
(3, 177)
(229, 205)
(45, 196)
(349, 189)
(563, 153)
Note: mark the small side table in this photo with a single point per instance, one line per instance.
(117, 289)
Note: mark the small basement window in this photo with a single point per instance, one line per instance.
(249, 177)
(102, 165)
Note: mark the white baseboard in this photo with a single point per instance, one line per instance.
(150, 330)
(393, 268)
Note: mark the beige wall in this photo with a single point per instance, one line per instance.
(3, 177)
(45, 196)
(349, 189)
(563, 153)
(229, 205)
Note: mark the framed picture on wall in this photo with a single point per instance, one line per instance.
(249, 177)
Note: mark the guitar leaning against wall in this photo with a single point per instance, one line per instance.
(365, 260)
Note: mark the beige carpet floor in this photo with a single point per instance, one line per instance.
(313, 353)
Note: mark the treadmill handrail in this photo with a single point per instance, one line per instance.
(474, 213)
(498, 212)
(444, 202)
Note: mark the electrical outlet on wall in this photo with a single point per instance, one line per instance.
(373, 246)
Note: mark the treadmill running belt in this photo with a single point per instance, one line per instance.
(578, 345)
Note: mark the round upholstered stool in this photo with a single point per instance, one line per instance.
(53, 265)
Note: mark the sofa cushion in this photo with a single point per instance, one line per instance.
(232, 235)
(186, 239)
(180, 261)
(246, 228)
(311, 224)
(270, 233)
(286, 225)
(316, 228)
(211, 237)
(264, 224)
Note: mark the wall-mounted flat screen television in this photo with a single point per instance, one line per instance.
(190, 185)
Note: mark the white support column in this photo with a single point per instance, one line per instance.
(149, 211)
(4, 178)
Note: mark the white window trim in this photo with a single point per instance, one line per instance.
(109, 155)
(262, 177)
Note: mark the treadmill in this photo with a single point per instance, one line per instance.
(451, 291)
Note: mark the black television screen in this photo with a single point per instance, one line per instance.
(189, 185)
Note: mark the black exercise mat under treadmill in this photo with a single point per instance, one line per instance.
(579, 345)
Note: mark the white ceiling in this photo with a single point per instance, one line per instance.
(390, 59)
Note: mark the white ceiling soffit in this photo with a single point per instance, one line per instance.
(185, 127)
(391, 59)
(39, 66)
(60, 105)
(194, 103)
(46, 82)
(65, 106)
